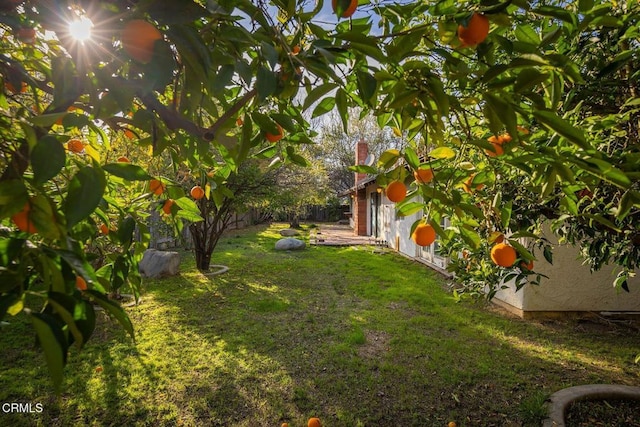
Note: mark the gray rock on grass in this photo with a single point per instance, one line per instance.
(156, 264)
(289, 244)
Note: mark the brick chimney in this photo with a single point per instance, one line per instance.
(362, 151)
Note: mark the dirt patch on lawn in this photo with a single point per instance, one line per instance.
(376, 344)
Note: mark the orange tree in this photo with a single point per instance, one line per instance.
(528, 121)
(175, 77)
(172, 79)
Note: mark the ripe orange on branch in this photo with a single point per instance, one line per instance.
(275, 137)
(497, 142)
(22, 219)
(139, 38)
(75, 145)
(396, 191)
(467, 185)
(348, 9)
(197, 192)
(476, 30)
(423, 176)
(424, 235)
(503, 255)
(11, 88)
(81, 284)
(156, 187)
(166, 208)
(527, 265)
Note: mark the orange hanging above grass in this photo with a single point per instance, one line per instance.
(166, 208)
(475, 32)
(81, 284)
(348, 11)
(11, 88)
(503, 255)
(467, 185)
(423, 176)
(424, 234)
(139, 38)
(23, 221)
(497, 143)
(156, 187)
(396, 191)
(75, 146)
(275, 137)
(197, 192)
(314, 422)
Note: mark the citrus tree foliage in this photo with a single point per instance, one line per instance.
(225, 192)
(174, 77)
(295, 189)
(553, 87)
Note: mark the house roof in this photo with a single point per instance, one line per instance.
(360, 185)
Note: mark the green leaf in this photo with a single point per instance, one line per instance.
(602, 220)
(113, 309)
(47, 159)
(628, 200)
(318, 93)
(442, 153)
(64, 306)
(127, 171)
(367, 85)
(548, 254)
(363, 169)
(85, 192)
(266, 83)
(407, 208)
(188, 205)
(526, 34)
(53, 343)
(343, 112)
(551, 120)
(411, 157)
(585, 5)
(388, 158)
(323, 107)
(470, 237)
(189, 216)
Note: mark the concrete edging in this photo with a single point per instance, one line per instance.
(560, 400)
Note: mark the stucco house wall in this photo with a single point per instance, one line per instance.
(571, 287)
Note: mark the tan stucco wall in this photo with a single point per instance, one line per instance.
(572, 287)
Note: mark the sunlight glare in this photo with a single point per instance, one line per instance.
(80, 29)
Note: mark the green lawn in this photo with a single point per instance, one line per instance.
(344, 334)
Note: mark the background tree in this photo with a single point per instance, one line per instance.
(336, 147)
(296, 189)
(226, 193)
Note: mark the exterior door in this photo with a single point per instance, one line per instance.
(432, 253)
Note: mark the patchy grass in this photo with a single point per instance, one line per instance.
(353, 337)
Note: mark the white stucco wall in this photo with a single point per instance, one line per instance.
(572, 287)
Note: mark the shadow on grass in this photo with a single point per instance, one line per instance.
(352, 337)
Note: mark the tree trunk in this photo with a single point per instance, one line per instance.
(203, 259)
